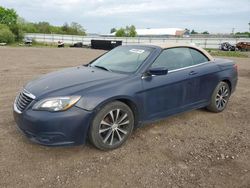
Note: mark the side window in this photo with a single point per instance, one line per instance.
(198, 57)
(174, 58)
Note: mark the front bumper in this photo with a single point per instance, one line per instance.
(55, 128)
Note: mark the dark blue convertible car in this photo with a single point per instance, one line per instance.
(125, 88)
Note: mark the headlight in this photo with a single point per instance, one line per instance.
(56, 104)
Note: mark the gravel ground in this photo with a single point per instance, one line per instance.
(193, 149)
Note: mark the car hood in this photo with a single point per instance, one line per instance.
(70, 81)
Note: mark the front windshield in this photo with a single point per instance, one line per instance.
(124, 59)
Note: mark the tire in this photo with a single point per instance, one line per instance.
(112, 126)
(220, 98)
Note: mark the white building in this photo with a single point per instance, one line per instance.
(158, 32)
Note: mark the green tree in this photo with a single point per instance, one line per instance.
(18, 26)
(77, 29)
(243, 34)
(6, 36)
(113, 30)
(120, 32)
(205, 32)
(194, 32)
(73, 29)
(43, 27)
(26, 27)
(57, 30)
(18, 32)
(129, 31)
(65, 27)
(8, 16)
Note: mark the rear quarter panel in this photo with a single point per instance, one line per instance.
(228, 71)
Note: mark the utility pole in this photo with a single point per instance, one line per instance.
(249, 26)
(233, 30)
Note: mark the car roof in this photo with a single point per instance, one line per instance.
(177, 45)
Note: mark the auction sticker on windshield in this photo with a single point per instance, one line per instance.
(138, 51)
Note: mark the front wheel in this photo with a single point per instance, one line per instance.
(220, 97)
(111, 126)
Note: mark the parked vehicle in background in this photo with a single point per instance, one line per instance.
(243, 46)
(123, 89)
(77, 45)
(226, 46)
(28, 41)
(60, 44)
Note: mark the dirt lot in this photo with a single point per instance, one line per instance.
(194, 149)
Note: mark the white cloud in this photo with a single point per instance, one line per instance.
(100, 15)
(195, 7)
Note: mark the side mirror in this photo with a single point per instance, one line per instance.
(158, 71)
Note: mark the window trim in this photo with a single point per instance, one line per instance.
(175, 70)
(180, 69)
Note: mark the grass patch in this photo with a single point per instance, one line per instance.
(35, 44)
(226, 53)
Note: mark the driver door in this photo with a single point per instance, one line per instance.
(171, 93)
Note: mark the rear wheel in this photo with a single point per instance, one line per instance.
(220, 97)
(111, 126)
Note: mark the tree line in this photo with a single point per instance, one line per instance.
(13, 27)
(128, 31)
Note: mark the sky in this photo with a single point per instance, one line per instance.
(99, 16)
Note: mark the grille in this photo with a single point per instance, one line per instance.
(23, 100)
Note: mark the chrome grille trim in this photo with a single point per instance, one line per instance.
(28, 94)
(23, 100)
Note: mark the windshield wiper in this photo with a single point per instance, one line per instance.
(101, 67)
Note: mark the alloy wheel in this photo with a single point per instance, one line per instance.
(222, 97)
(114, 127)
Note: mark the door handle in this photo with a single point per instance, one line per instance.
(193, 73)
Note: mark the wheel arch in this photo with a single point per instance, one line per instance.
(133, 107)
(126, 100)
(228, 82)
